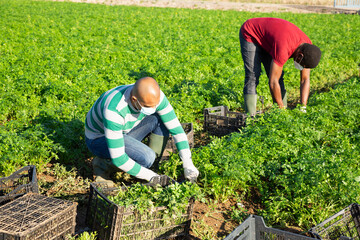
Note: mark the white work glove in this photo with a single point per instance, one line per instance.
(146, 174)
(303, 109)
(190, 171)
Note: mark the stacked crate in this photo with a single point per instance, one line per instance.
(25, 214)
(19, 183)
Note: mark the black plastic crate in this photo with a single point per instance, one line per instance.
(342, 225)
(112, 221)
(19, 183)
(37, 217)
(171, 147)
(220, 121)
(254, 228)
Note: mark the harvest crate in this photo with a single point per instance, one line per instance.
(112, 221)
(171, 147)
(19, 183)
(220, 121)
(34, 216)
(254, 228)
(342, 225)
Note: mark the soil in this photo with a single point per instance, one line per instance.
(216, 219)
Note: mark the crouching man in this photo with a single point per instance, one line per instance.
(118, 122)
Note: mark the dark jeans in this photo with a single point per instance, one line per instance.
(134, 148)
(253, 55)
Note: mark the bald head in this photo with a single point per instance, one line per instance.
(147, 91)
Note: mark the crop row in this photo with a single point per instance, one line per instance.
(303, 166)
(56, 58)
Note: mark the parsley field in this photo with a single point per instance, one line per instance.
(57, 58)
(305, 167)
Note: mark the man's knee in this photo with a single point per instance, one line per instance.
(149, 157)
(250, 87)
(153, 119)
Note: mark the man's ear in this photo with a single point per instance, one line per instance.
(133, 98)
(299, 57)
(298, 50)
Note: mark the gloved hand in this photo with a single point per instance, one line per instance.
(303, 109)
(162, 180)
(191, 173)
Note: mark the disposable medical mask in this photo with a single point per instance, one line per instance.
(298, 66)
(146, 110)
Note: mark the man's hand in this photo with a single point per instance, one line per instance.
(162, 180)
(191, 173)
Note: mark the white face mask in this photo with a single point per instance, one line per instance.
(146, 110)
(298, 66)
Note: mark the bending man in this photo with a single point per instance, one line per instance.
(121, 118)
(272, 41)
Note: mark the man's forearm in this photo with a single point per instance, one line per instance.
(276, 93)
(304, 92)
(304, 95)
(304, 86)
(274, 76)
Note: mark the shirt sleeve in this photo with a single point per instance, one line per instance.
(171, 122)
(113, 130)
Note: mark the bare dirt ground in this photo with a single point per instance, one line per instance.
(294, 6)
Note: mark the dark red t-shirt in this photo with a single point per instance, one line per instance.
(276, 36)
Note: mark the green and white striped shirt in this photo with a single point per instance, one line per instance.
(113, 115)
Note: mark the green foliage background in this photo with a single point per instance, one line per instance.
(304, 166)
(57, 58)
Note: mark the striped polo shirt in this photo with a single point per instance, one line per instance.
(113, 115)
